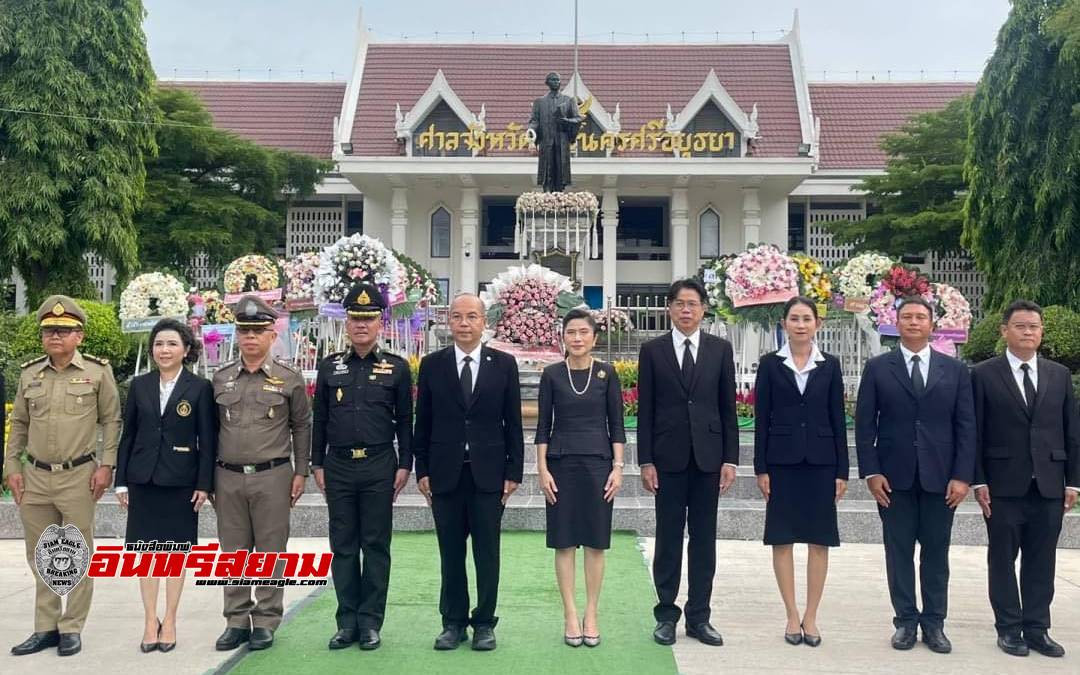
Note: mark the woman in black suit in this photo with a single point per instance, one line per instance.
(801, 459)
(165, 466)
(579, 456)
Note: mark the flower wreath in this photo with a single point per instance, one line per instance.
(153, 294)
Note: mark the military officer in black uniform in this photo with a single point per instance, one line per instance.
(363, 398)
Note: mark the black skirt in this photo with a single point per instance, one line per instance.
(161, 513)
(802, 505)
(580, 516)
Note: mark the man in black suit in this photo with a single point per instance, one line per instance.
(688, 446)
(1028, 460)
(469, 452)
(915, 435)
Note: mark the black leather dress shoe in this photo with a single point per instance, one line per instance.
(483, 638)
(1042, 643)
(904, 638)
(1012, 644)
(70, 644)
(261, 638)
(706, 634)
(369, 639)
(232, 638)
(935, 639)
(343, 638)
(451, 638)
(664, 633)
(36, 642)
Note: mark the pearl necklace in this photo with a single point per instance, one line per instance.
(571, 378)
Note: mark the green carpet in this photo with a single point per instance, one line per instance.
(530, 619)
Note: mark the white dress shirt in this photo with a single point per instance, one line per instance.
(924, 361)
(679, 340)
(474, 366)
(165, 390)
(802, 376)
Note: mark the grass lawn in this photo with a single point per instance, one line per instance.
(530, 620)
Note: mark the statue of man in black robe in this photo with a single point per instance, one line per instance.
(553, 127)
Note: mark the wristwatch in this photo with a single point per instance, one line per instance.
(619, 464)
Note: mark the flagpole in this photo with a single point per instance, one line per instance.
(575, 51)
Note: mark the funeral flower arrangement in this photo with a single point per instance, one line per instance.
(300, 276)
(543, 202)
(611, 321)
(358, 258)
(251, 273)
(421, 291)
(216, 311)
(814, 282)
(858, 277)
(153, 294)
(761, 275)
(524, 305)
(954, 310)
(898, 283)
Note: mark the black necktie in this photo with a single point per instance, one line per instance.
(1029, 388)
(687, 363)
(466, 380)
(917, 382)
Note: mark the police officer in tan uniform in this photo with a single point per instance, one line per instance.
(62, 398)
(264, 416)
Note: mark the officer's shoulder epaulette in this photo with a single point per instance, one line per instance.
(37, 359)
(96, 359)
(386, 354)
(225, 366)
(288, 366)
(334, 355)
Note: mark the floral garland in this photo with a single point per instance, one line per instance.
(814, 282)
(251, 273)
(857, 278)
(153, 294)
(954, 310)
(761, 275)
(545, 202)
(358, 258)
(898, 283)
(524, 305)
(300, 276)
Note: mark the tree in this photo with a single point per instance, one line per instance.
(210, 191)
(1022, 216)
(75, 123)
(921, 192)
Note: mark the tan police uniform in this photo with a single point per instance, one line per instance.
(55, 419)
(263, 416)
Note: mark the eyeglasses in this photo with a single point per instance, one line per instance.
(1023, 327)
(683, 304)
(57, 332)
(252, 331)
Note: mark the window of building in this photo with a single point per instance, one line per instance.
(440, 233)
(354, 219)
(643, 229)
(497, 228)
(709, 234)
(796, 226)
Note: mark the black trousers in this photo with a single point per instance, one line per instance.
(359, 497)
(916, 515)
(1030, 524)
(686, 500)
(459, 514)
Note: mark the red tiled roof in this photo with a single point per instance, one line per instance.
(642, 78)
(855, 116)
(295, 116)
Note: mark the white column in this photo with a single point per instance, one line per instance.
(610, 206)
(470, 248)
(399, 218)
(20, 293)
(751, 216)
(680, 225)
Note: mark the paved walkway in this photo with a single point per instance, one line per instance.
(854, 620)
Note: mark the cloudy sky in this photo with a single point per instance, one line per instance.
(314, 39)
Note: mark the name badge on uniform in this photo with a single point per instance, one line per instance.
(382, 371)
(276, 390)
(179, 448)
(275, 381)
(33, 383)
(341, 367)
(81, 380)
(230, 385)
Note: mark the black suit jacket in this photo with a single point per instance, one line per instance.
(173, 449)
(490, 422)
(1013, 446)
(792, 427)
(893, 427)
(673, 418)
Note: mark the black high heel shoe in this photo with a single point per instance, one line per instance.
(810, 640)
(794, 639)
(164, 646)
(147, 647)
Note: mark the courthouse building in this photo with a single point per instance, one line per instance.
(694, 150)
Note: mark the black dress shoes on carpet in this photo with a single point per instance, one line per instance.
(369, 639)
(451, 638)
(232, 638)
(664, 633)
(343, 638)
(261, 638)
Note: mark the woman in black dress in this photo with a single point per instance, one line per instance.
(801, 460)
(579, 457)
(164, 469)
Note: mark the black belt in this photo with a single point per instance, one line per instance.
(253, 468)
(352, 452)
(64, 466)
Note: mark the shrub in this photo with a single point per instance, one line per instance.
(984, 340)
(1061, 336)
(103, 337)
